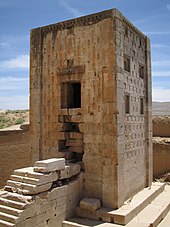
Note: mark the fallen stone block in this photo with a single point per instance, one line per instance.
(90, 204)
(89, 214)
(49, 165)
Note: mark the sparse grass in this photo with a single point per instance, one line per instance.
(19, 121)
(13, 117)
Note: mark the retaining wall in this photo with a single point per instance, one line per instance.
(15, 152)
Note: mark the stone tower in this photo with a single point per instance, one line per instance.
(90, 102)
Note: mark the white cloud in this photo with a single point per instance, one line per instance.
(168, 6)
(75, 12)
(161, 73)
(13, 84)
(161, 94)
(14, 102)
(20, 62)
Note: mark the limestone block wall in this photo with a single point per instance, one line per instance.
(43, 195)
(79, 51)
(161, 126)
(161, 156)
(15, 152)
(134, 128)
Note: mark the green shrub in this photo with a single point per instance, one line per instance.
(19, 121)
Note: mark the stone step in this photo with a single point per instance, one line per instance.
(27, 189)
(27, 175)
(49, 165)
(23, 179)
(17, 197)
(80, 222)
(166, 221)
(28, 172)
(8, 217)
(10, 210)
(155, 211)
(13, 204)
(5, 223)
(138, 202)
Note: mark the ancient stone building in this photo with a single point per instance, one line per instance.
(90, 102)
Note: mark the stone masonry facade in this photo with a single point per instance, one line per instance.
(90, 102)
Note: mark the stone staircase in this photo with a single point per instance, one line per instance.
(147, 208)
(39, 195)
(12, 206)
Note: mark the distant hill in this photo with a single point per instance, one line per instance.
(161, 108)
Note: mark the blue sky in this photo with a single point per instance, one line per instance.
(17, 17)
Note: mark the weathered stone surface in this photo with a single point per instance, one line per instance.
(90, 204)
(28, 175)
(76, 135)
(15, 152)
(69, 171)
(49, 165)
(74, 143)
(47, 203)
(26, 189)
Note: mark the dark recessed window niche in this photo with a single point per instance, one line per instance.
(71, 95)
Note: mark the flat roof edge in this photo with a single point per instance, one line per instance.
(90, 19)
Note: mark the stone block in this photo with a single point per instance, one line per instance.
(75, 119)
(76, 149)
(64, 127)
(90, 204)
(69, 171)
(17, 197)
(49, 165)
(74, 143)
(76, 111)
(88, 214)
(26, 189)
(76, 135)
(27, 175)
(54, 194)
